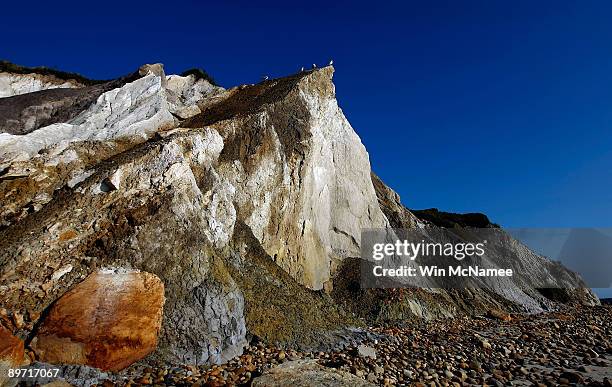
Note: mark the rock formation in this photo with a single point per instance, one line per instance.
(15, 80)
(108, 321)
(248, 205)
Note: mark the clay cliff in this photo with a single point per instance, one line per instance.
(245, 206)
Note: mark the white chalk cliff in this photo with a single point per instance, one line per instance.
(241, 201)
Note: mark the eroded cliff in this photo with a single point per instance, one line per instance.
(247, 204)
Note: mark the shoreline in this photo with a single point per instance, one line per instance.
(568, 346)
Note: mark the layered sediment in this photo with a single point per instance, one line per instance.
(247, 204)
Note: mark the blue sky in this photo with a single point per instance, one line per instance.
(498, 107)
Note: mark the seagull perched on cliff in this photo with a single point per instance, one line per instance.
(265, 78)
(331, 62)
(302, 69)
(314, 66)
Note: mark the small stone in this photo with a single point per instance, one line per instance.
(34, 315)
(18, 320)
(573, 377)
(58, 274)
(474, 365)
(592, 353)
(499, 315)
(4, 315)
(495, 382)
(366, 351)
(144, 380)
(46, 286)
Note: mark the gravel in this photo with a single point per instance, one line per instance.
(571, 347)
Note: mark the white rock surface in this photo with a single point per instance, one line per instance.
(133, 112)
(15, 84)
(307, 207)
(185, 92)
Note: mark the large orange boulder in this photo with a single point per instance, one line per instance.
(12, 353)
(108, 321)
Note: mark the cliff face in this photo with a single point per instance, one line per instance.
(244, 202)
(299, 171)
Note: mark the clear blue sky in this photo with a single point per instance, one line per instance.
(492, 106)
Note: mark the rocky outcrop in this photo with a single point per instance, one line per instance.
(246, 204)
(108, 321)
(16, 80)
(520, 294)
(11, 84)
(304, 373)
(46, 99)
(120, 118)
(390, 204)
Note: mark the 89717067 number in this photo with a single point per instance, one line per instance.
(33, 372)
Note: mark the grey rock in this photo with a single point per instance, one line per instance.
(304, 373)
(366, 351)
(372, 378)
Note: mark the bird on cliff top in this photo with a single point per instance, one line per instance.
(302, 69)
(265, 78)
(331, 62)
(314, 66)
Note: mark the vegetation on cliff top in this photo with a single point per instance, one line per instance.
(200, 74)
(451, 220)
(8, 67)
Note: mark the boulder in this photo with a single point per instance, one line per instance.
(499, 315)
(108, 321)
(11, 353)
(302, 373)
(11, 348)
(366, 351)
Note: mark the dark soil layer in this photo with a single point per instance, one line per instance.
(8, 67)
(450, 220)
